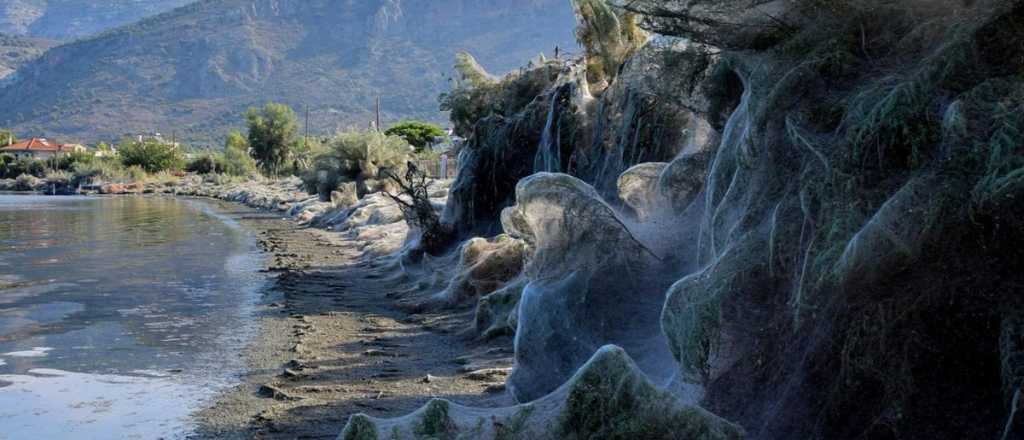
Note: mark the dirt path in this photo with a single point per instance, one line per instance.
(333, 344)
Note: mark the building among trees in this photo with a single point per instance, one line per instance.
(40, 148)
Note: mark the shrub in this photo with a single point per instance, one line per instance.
(164, 178)
(151, 156)
(207, 163)
(420, 135)
(305, 153)
(67, 162)
(365, 154)
(237, 161)
(6, 163)
(59, 178)
(13, 168)
(356, 156)
(324, 176)
(100, 169)
(27, 182)
(136, 173)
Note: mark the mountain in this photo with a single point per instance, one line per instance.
(16, 50)
(69, 19)
(193, 71)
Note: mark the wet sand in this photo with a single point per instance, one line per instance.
(334, 342)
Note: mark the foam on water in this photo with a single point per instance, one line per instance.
(35, 352)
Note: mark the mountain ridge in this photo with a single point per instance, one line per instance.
(16, 51)
(71, 19)
(193, 70)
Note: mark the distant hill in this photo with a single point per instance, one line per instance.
(15, 51)
(69, 19)
(193, 71)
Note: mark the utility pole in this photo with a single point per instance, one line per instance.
(305, 137)
(378, 114)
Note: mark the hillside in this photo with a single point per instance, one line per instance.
(194, 70)
(15, 51)
(69, 19)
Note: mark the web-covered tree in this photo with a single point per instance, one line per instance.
(608, 34)
(726, 24)
(413, 198)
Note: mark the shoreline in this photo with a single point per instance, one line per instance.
(333, 338)
(333, 341)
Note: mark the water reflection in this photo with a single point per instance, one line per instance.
(98, 289)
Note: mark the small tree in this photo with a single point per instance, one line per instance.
(207, 163)
(417, 209)
(272, 133)
(151, 155)
(420, 135)
(67, 161)
(237, 161)
(7, 137)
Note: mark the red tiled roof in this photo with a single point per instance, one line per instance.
(38, 144)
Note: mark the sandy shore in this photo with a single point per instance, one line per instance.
(333, 342)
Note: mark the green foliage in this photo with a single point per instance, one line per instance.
(152, 156)
(516, 425)
(272, 132)
(207, 163)
(360, 427)
(11, 168)
(305, 152)
(135, 173)
(435, 423)
(237, 160)
(26, 182)
(608, 35)
(59, 178)
(99, 169)
(994, 114)
(365, 154)
(471, 72)
(353, 156)
(476, 94)
(67, 162)
(471, 96)
(609, 398)
(420, 135)
(7, 137)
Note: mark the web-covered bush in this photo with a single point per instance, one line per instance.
(477, 94)
(356, 156)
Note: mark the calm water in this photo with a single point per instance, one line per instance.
(118, 316)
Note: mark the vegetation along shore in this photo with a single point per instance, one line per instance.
(718, 220)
